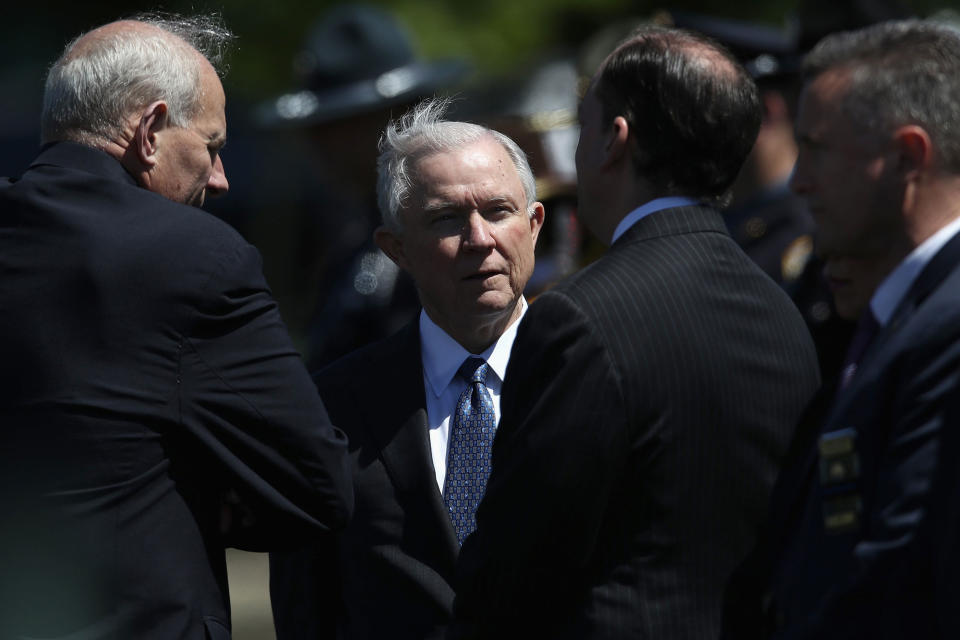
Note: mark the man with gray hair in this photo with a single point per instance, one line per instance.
(153, 408)
(421, 407)
(852, 544)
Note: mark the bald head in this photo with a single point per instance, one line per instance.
(107, 75)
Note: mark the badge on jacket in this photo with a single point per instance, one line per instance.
(839, 471)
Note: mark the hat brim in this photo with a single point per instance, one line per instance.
(403, 84)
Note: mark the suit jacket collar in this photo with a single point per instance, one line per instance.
(939, 267)
(674, 221)
(404, 444)
(82, 158)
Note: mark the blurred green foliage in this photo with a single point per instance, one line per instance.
(495, 35)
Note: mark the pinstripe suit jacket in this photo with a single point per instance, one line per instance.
(647, 404)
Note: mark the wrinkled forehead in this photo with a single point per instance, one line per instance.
(469, 175)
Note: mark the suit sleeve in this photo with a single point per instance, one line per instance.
(887, 564)
(558, 451)
(305, 592)
(248, 400)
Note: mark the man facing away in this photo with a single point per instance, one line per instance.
(650, 396)
(852, 544)
(146, 374)
(420, 408)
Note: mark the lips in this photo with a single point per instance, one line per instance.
(483, 275)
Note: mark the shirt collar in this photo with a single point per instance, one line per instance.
(895, 286)
(657, 204)
(442, 355)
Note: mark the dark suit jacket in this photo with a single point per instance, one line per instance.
(395, 561)
(647, 404)
(144, 374)
(875, 579)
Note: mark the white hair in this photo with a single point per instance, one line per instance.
(422, 131)
(92, 90)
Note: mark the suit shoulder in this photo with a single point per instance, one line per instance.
(376, 362)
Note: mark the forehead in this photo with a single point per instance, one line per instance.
(478, 169)
(212, 98)
(822, 98)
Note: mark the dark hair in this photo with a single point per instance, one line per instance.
(693, 108)
(901, 72)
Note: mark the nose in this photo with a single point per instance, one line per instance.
(477, 232)
(217, 184)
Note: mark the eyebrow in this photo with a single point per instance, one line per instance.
(446, 205)
(437, 206)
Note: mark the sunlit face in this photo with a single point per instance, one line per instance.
(188, 158)
(467, 238)
(850, 183)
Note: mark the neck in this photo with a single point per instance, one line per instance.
(930, 207)
(617, 206)
(477, 336)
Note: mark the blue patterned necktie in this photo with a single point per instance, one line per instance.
(468, 454)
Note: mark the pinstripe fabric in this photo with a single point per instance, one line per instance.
(648, 401)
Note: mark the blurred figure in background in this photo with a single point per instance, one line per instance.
(421, 407)
(358, 67)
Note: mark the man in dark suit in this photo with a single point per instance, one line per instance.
(650, 396)
(153, 409)
(460, 216)
(850, 550)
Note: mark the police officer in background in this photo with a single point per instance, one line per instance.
(357, 68)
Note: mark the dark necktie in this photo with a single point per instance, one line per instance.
(867, 328)
(468, 454)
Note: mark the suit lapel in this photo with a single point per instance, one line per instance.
(405, 450)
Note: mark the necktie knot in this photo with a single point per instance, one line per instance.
(474, 369)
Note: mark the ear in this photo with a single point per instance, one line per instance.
(536, 221)
(616, 142)
(152, 119)
(914, 149)
(391, 244)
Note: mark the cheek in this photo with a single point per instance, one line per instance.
(432, 258)
(521, 251)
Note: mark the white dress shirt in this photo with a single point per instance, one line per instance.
(442, 356)
(894, 287)
(657, 204)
